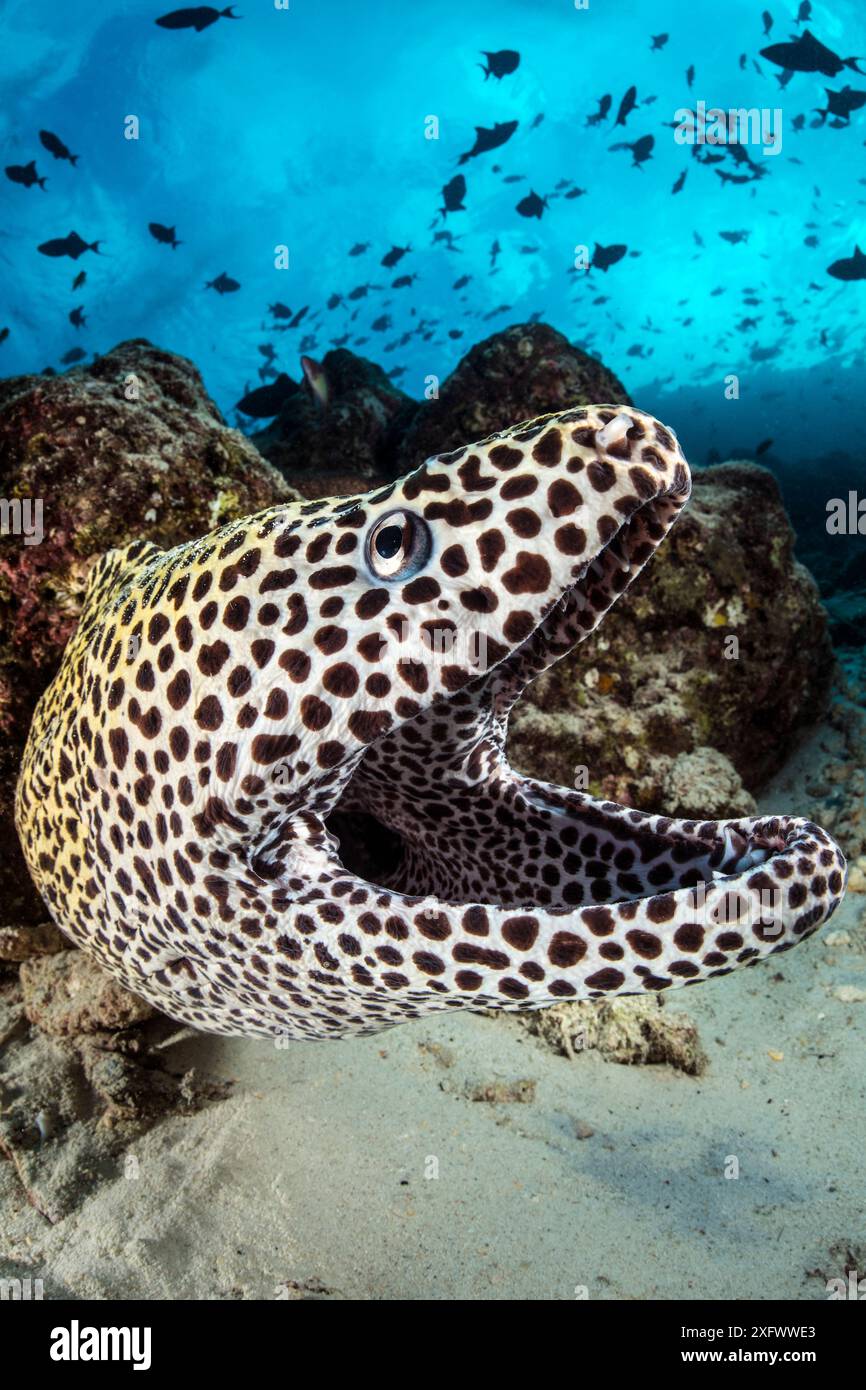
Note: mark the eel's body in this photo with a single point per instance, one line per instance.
(231, 710)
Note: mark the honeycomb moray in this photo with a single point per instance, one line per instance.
(268, 788)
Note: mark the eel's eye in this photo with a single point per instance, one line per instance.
(398, 545)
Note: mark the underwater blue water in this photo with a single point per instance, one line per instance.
(305, 127)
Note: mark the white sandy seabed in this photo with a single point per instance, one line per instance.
(364, 1170)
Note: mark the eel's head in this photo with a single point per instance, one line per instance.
(482, 568)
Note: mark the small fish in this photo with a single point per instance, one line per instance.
(359, 248)
(317, 381)
(600, 115)
(79, 279)
(71, 245)
(690, 74)
(641, 149)
(798, 122)
(268, 351)
(768, 22)
(361, 291)
(603, 257)
(839, 104)
(453, 194)
(334, 300)
(4, 334)
(849, 267)
(396, 254)
(382, 323)
(495, 251)
(455, 333)
(626, 106)
(489, 138)
(808, 54)
(734, 238)
(500, 64)
(678, 186)
(197, 17)
(450, 241)
(76, 318)
(25, 174)
(403, 281)
(744, 58)
(223, 284)
(575, 193)
(299, 316)
(280, 311)
(166, 235)
(54, 145)
(658, 42)
(75, 354)
(762, 448)
(804, 14)
(811, 241)
(267, 401)
(463, 281)
(537, 121)
(531, 206)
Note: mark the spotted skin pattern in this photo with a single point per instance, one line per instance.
(229, 709)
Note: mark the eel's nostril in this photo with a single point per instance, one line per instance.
(615, 431)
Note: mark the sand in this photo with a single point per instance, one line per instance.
(464, 1158)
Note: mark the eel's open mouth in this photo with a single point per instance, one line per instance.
(434, 810)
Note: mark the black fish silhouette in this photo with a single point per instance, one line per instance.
(79, 279)
(659, 41)
(223, 284)
(531, 205)
(75, 354)
(489, 138)
(762, 448)
(734, 238)
(197, 17)
(839, 104)
(641, 149)
(807, 54)
(768, 22)
(4, 334)
(678, 186)
(403, 281)
(394, 255)
(626, 106)
(849, 267)
(280, 311)
(500, 64)
(267, 401)
(601, 114)
(76, 318)
(71, 245)
(453, 194)
(164, 234)
(359, 248)
(54, 145)
(24, 174)
(804, 14)
(603, 257)
(690, 74)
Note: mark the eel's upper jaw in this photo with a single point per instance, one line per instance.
(599, 580)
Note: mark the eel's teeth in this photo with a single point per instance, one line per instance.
(615, 549)
(597, 568)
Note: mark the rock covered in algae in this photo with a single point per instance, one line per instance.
(720, 644)
(522, 371)
(130, 446)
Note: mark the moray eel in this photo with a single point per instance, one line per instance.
(268, 788)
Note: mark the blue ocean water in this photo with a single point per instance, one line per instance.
(305, 125)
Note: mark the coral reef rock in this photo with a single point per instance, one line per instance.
(523, 371)
(346, 441)
(721, 644)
